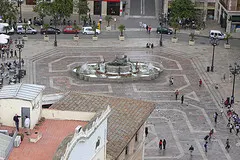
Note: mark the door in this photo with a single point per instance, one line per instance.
(25, 112)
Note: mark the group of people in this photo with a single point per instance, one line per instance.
(26, 123)
(148, 28)
(176, 96)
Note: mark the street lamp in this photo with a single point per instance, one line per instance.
(19, 44)
(235, 70)
(20, 8)
(214, 41)
(161, 35)
(55, 37)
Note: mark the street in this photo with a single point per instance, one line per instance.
(133, 34)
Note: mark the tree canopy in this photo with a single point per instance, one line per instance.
(57, 9)
(8, 11)
(182, 9)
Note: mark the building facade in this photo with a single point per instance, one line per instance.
(227, 13)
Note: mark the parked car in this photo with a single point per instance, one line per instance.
(70, 30)
(89, 30)
(164, 30)
(29, 30)
(50, 30)
(216, 34)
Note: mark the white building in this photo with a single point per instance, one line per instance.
(21, 99)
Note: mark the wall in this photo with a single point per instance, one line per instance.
(86, 149)
(67, 115)
(36, 110)
(10, 107)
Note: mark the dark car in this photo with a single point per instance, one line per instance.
(50, 30)
(164, 30)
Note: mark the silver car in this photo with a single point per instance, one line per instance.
(29, 30)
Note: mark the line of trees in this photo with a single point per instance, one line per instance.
(60, 9)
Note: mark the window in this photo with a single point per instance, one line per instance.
(98, 143)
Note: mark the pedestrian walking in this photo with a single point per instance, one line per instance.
(237, 129)
(11, 53)
(27, 125)
(22, 61)
(147, 28)
(206, 146)
(176, 94)
(215, 117)
(191, 149)
(15, 53)
(227, 145)
(210, 134)
(200, 83)
(7, 54)
(206, 138)
(146, 131)
(16, 120)
(160, 144)
(164, 144)
(182, 99)
(230, 127)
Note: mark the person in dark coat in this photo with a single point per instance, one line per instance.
(16, 120)
(146, 131)
(164, 143)
(182, 99)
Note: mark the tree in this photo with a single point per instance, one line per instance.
(9, 11)
(57, 9)
(41, 9)
(81, 7)
(108, 19)
(182, 9)
(121, 29)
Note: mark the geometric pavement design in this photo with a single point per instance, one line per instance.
(181, 125)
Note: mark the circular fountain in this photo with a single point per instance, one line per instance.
(120, 69)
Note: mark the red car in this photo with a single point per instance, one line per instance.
(70, 30)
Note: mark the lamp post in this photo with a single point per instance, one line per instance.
(214, 41)
(235, 70)
(161, 35)
(55, 37)
(20, 9)
(19, 44)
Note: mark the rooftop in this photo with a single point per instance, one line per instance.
(126, 117)
(21, 91)
(53, 133)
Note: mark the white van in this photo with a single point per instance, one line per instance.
(3, 27)
(216, 34)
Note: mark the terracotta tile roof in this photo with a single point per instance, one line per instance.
(53, 133)
(126, 117)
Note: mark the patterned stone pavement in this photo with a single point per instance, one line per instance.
(181, 125)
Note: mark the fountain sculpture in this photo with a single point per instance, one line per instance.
(120, 69)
